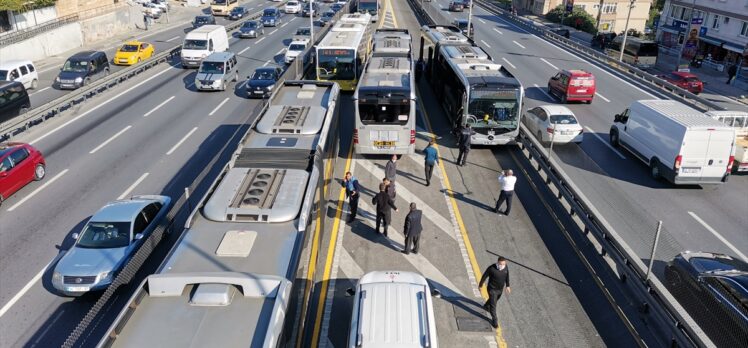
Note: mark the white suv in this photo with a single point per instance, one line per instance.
(295, 49)
(292, 7)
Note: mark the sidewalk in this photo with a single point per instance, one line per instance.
(714, 81)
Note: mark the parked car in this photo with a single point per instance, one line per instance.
(14, 100)
(132, 52)
(203, 20)
(456, 6)
(271, 17)
(238, 13)
(463, 25)
(152, 10)
(20, 164)
(292, 7)
(326, 18)
(597, 40)
(251, 29)
(314, 11)
(22, 71)
(107, 242)
(563, 32)
(713, 288)
(554, 123)
(262, 82)
(572, 85)
(161, 5)
(687, 81)
(336, 7)
(81, 69)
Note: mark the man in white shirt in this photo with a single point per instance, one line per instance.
(506, 182)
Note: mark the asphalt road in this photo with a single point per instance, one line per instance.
(150, 136)
(707, 218)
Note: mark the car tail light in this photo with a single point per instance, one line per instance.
(549, 130)
(412, 136)
(355, 136)
(581, 131)
(729, 163)
(677, 161)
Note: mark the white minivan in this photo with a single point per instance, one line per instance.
(392, 309)
(22, 71)
(201, 42)
(678, 143)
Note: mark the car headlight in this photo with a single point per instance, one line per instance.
(78, 79)
(105, 276)
(57, 79)
(56, 277)
(270, 88)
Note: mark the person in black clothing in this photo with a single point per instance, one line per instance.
(384, 205)
(731, 72)
(497, 276)
(412, 229)
(463, 142)
(352, 188)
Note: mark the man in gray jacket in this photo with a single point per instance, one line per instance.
(390, 171)
(412, 229)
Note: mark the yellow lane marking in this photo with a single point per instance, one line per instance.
(330, 254)
(392, 12)
(460, 223)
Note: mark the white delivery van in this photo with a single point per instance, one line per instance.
(738, 120)
(392, 309)
(678, 143)
(201, 42)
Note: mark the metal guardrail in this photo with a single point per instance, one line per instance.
(630, 71)
(26, 33)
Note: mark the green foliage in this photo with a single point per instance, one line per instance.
(653, 12)
(553, 15)
(44, 3)
(22, 5)
(578, 18)
(11, 5)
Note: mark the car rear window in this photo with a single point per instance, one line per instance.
(563, 119)
(582, 81)
(693, 79)
(718, 264)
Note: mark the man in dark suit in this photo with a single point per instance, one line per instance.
(412, 229)
(352, 188)
(497, 276)
(384, 205)
(463, 142)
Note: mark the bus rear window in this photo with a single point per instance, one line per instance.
(375, 113)
(648, 50)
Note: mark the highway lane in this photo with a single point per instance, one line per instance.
(616, 181)
(96, 159)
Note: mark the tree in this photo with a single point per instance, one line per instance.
(555, 15)
(11, 5)
(24, 5)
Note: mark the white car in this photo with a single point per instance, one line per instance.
(22, 71)
(292, 7)
(554, 123)
(295, 49)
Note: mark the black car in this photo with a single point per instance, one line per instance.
(456, 6)
(326, 18)
(81, 69)
(463, 24)
(238, 13)
(305, 10)
(262, 82)
(251, 29)
(713, 288)
(563, 32)
(597, 40)
(336, 7)
(203, 20)
(14, 100)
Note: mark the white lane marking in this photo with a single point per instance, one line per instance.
(97, 107)
(23, 291)
(601, 96)
(272, 32)
(349, 266)
(719, 236)
(158, 106)
(498, 31)
(518, 44)
(109, 140)
(39, 189)
(172, 39)
(485, 43)
(41, 90)
(544, 91)
(591, 131)
(244, 50)
(241, 85)
(218, 107)
(285, 24)
(174, 148)
(258, 41)
(508, 62)
(549, 63)
(133, 186)
(266, 63)
(281, 51)
(482, 21)
(491, 341)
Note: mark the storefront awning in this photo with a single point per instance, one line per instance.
(671, 29)
(727, 45)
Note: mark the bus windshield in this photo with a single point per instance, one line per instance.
(368, 6)
(336, 64)
(383, 111)
(494, 108)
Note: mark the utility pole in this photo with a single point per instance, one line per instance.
(685, 35)
(311, 22)
(599, 14)
(470, 18)
(626, 30)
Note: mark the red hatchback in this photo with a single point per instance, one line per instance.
(687, 81)
(573, 85)
(19, 165)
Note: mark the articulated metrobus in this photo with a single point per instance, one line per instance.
(638, 52)
(369, 6)
(385, 99)
(222, 7)
(343, 52)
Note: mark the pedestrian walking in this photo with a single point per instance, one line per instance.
(384, 205)
(506, 183)
(389, 187)
(431, 159)
(145, 20)
(497, 276)
(352, 189)
(412, 229)
(463, 143)
(390, 170)
(731, 72)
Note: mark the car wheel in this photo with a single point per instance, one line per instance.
(39, 172)
(86, 81)
(106, 72)
(223, 86)
(654, 169)
(23, 110)
(614, 138)
(589, 101)
(34, 83)
(540, 137)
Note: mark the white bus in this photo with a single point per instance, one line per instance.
(638, 52)
(385, 99)
(369, 6)
(342, 53)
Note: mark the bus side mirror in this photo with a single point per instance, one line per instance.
(350, 292)
(436, 293)
(617, 118)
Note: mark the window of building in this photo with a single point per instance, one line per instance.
(727, 20)
(610, 7)
(715, 22)
(744, 29)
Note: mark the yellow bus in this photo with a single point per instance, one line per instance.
(223, 7)
(344, 51)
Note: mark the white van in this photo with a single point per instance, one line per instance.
(392, 309)
(201, 42)
(678, 143)
(295, 48)
(22, 71)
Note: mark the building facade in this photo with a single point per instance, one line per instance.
(612, 13)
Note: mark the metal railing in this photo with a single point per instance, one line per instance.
(27, 33)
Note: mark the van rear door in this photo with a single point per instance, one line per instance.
(705, 155)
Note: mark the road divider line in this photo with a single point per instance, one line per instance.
(518, 44)
(244, 50)
(482, 21)
(485, 43)
(719, 236)
(109, 140)
(601, 96)
(266, 63)
(272, 32)
(591, 131)
(133, 186)
(549, 63)
(41, 90)
(218, 107)
(172, 39)
(498, 31)
(35, 192)
(55, 130)
(281, 51)
(158, 106)
(23, 291)
(176, 146)
(508, 62)
(258, 41)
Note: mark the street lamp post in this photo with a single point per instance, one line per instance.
(470, 17)
(626, 30)
(685, 36)
(553, 137)
(311, 21)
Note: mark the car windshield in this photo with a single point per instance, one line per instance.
(237, 10)
(195, 44)
(493, 108)
(250, 25)
(268, 13)
(129, 48)
(211, 67)
(100, 235)
(296, 47)
(303, 31)
(462, 25)
(563, 119)
(292, 3)
(328, 14)
(219, 2)
(201, 20)
(370, 7)
(3, 75)
(718, 264)
(75, 66)
(263, 75)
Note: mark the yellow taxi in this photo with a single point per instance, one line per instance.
(133, 52)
